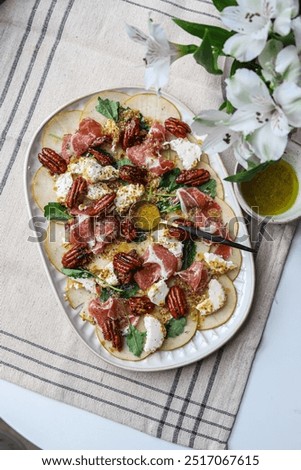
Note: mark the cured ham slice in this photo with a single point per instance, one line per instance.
(159, 263)
(190, 198)
(98, 234)
(114, 309)
(196, 276)
(88, 132)
(81, 230)
(67, 150)
(106, 231)
(148, 153)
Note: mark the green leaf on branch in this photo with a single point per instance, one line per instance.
(189, 252)
(248, 175)
(218, 35)
(175, 327)
(108, 108)
(56, 211)
(206, 56)
(135, 340)
(221, 4)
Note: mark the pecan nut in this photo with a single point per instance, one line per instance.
(128, 230)
(194, 177)
(176, 302)
(112, 332)
(179, 233)
(77, 256)
(101, 206)
(140, 305)
(133, 174)
(125, 264)
(131, 133)
(53, 161)
(102, 157)
(177, 127)
(78, 189)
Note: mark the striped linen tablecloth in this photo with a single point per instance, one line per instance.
(52, 52)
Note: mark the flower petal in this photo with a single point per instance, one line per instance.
(219, 139)
(157, 74)
(296, 27)
(158, 34)
(242, 152)
(288, 64)
(244, 19)
(288, 96)
(267, 59)
(268, 146)
(282, 23)
(136, 34)
(247, 120)
(238, 46)
(206, 120)
(246, 88)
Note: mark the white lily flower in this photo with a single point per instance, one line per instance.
(267, 120)
(160, 53)
(280, 64)
(252, 20)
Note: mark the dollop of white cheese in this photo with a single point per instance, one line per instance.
(88, 284)
(189, 152)
(218, 264)
(155, 333)
(214, 299)
(158, 292)
(128, 195)
(91, 170)
(98, 190)
(106, 276)
(62, 185)
(172, 244)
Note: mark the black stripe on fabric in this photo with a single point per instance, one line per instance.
(94, 382)
(167, 406)
(19, 52)
(114, 374)
(28, 73)
(186, 402)
(149, 8)
(199, 418)
(100, 400)
(36, 97)
(190, 10)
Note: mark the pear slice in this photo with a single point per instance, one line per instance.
(179, 341)
(55, 244)
(229, 217)
(76, 294)
(221, 316)
(42, 188)
(90, 107)
(65, 122)
(153, 106)
(236, 258)
(213, 174)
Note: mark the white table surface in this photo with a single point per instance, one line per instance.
(269, 416)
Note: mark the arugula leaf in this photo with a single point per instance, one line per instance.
(168, 180)
(129, 290)
(143, 124)
(248, 175)
(106, 293)
(207, 56)
(77, 273)
(175, 327)
(108, 108)
(56, 211)
(189, 252)
(218, 35)
(135, 340)
(124, 161)
(209, 188)
(167, 205)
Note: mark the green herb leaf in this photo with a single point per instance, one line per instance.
(221, 4)
(129, 290)
(175, 327)
(135, 340)
(77, 273)
(124, 161)
(248, 175)
(206, 56)
(108, 108)
(55, 211)
(143, 124)
(168, 180)
(167, 205)
(189, 252)
(105, 294)
(209, 188)
(218, 35)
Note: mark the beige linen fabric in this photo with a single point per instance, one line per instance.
(52, 52)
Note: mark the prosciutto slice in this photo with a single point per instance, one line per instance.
(147, 153)
(113, 308)
(158, 263)
(190, 198)
(97, 233)
(196, 276)
(89, 132)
